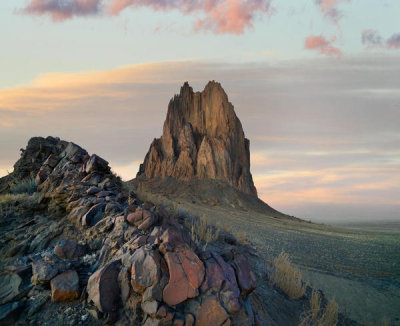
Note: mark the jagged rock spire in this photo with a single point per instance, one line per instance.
(202, 138)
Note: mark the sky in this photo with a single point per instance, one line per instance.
(316, 84)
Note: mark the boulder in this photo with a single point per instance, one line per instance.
(97, 164)
(94, 215)
(43, 272)
(186, 273)
(220, 278)
(65, 287)
(245, 275)
(211, 313)
(145, 270)
(141, 218)
(68, 249)
(103, 288)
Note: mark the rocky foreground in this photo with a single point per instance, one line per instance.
(83, 241)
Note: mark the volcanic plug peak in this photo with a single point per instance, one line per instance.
(202, 138)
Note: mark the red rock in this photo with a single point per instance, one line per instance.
(211, 313)
(103, 288)
(244, 273)
(171, 238)
(147, 223)
(137, 217)
(148, 205)
(220, 277)
(186, 272)
(165, 313)
(141, 240)
(145, 271)
(68, 249)
(65, 287)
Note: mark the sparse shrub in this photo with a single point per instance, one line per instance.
(202, 232)
(317, 316)
(225, 226)
(286, 277)
(26, 186)
(8, 202)
(241, 236)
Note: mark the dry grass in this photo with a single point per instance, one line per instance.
(241, 236)
(26, 186)
(286, 277)
(317, 316)
(202, 232)
(10, 198)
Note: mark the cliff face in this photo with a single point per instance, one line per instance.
(202, 138)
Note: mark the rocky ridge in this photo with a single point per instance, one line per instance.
(83, 238)
(202, 138)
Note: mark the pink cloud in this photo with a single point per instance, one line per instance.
(60, 10)
(321, 44)
(232, 16)
(329, 8)
(219, 16)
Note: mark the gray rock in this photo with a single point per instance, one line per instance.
(43, 271)
(97, 164)
(94, 215)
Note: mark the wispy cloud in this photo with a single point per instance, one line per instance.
(322, 45)
(371, 39)
(219, 16)
(60, 10)
(329, 9)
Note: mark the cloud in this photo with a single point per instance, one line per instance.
(394, 41)
(321, 44)
(329, 9)
(60, 10)
(371, 38)
(219, 16)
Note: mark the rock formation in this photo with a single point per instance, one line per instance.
(202, 138)
(82, 236)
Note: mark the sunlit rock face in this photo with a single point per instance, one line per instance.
(202, 138)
